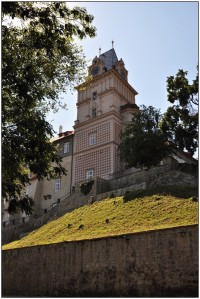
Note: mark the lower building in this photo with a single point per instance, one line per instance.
(47, 193)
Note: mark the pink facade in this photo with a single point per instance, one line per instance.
(100, 118)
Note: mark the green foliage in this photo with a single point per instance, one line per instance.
(194, 198)
(81, 226)
(40, 59)
(85, 188)
(180, 122)
(142, 142)
(25, 204)
(178, 191)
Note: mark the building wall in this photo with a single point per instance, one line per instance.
(48, 187)
(46, 193)
(43, 191)
(161, 263)
(101, 157)
(111, 92)
(102, 131)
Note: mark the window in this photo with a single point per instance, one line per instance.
(92, 139)
(94, 96)
(94, 113)
(66, 147)
(89, 174)
(57, 185)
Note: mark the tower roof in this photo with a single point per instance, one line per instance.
(109, 58)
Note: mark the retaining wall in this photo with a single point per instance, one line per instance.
(161, 263)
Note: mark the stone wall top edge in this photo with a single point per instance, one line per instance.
(122, 236)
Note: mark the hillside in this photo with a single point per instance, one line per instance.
(114, 217)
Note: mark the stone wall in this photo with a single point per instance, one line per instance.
(144, 180)
(161, 263)
(165, 174)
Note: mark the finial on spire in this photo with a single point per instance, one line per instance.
(99, 51)
(112, 44)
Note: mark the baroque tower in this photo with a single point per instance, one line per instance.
(105, 103)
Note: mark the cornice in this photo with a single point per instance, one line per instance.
(110, 90)
(83, 102)
(104, 75)
(93, 120)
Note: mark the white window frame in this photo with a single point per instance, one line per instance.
(89, 174)
(66, 147)
(57, 185)
(92, 139)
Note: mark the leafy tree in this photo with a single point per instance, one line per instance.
(142, 142)
(180, 122)
(40, 59)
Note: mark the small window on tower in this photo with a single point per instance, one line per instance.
(94, 113)
(94, 96)
(89, 174)
(92, 139)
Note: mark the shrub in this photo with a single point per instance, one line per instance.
(85, 188)
(112, 195)
(81, 226)
(194, 198)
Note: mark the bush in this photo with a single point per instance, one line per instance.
(194, 198)
(112, 195)
(85, 188)
(81, 226)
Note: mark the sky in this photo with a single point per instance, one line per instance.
(154, 39)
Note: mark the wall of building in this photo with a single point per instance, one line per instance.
(162, 263)
(48, 187)
(101, 157)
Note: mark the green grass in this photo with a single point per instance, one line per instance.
(111, 217)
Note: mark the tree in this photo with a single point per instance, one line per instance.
(40, 59)
(180, 122)
(142, 142)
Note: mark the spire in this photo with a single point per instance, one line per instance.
(109, 58)
(99, 51)
(112, 44)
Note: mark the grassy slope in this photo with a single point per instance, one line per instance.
(140, 214)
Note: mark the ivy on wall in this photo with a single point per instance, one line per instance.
(85, 188)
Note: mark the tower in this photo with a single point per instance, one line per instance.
(105, 103)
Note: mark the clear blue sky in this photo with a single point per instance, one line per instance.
(154, 39)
